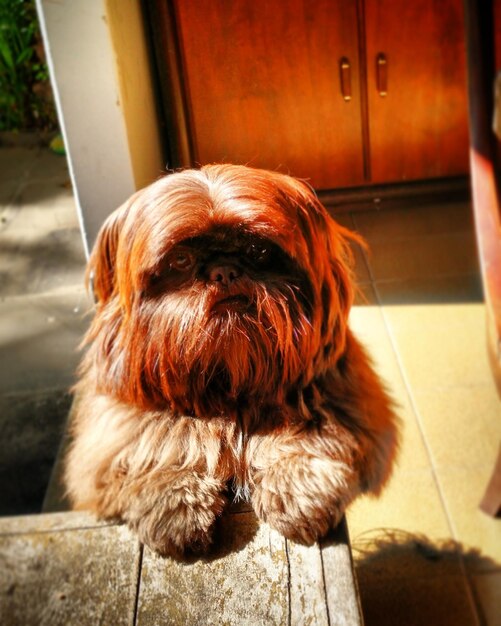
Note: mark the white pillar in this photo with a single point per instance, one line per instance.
(88, 79)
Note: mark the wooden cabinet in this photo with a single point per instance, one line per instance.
(263, 85)
(341, 92)
(419, 130)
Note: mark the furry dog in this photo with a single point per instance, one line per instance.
(220, 355)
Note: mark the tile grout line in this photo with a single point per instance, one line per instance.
(410, 394)
(468, 583)
(417, 415)
(433, 467)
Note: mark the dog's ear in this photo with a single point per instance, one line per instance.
(332, 260)
(340, 248)
(324, 233)
(100, 276)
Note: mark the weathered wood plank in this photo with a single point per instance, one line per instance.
(67, 568)
(71, 575)
(254, 576)
(245, 580)
(308, 606)
(343, 599)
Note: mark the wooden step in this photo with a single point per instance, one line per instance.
(77, 570)
(67, 568)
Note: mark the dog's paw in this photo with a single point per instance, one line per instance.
(180, 520)
(303, 497)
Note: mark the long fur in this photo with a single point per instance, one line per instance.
(176, 401)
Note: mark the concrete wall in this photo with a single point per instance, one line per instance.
(99, 68)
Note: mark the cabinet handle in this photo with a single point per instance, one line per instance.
(382, 74)
(345, 76)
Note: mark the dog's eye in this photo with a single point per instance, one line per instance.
(181, 261)
(259, 253)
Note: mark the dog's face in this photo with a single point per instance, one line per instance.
(218, 287)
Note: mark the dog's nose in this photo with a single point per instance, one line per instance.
(224, 274)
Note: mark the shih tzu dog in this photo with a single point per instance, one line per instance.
(219, 361)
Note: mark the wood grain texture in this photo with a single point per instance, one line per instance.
(66, 568)
(263, 85)
(253, 577)
(343, 600)
(59, 573)
(308, 605)
(165, 53)
(496, 27)
(419, 129)
(482, 47)
(484, 181)
(247, 586)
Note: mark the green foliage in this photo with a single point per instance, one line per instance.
(25, 95)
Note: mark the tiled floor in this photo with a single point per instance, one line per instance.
(424, 552)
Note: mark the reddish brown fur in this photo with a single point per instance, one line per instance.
(176, 400)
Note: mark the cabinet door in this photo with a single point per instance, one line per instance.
(418, 129)
(263, 83)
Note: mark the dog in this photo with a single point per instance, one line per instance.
(220, 362)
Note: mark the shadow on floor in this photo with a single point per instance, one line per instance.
(409, 579)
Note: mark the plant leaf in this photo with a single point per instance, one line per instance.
(25, 55)
(6, 54)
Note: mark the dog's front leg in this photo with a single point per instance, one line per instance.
(164, 476)
(173, 510)
(306, 473)
(302, 481)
